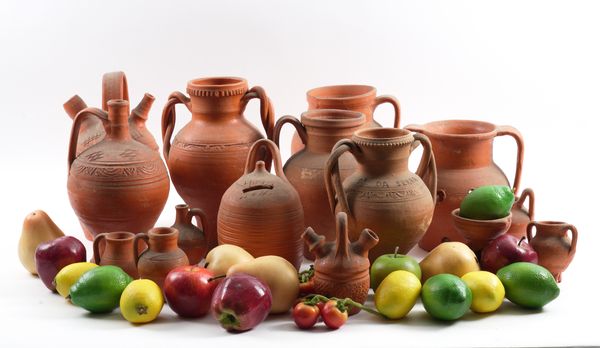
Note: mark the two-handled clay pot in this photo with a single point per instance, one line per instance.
(191, 237)
(553, 245)
(118, 251)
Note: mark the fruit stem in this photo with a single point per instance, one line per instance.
(307, 274)
(521, 241)
(396, 251)
(216, 277)
(342, 303)
(228, 320)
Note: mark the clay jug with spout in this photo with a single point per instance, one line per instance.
(118, 251)
(191, 237)
(553, 245)
(209, 152)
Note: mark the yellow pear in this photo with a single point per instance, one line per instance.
(222, 257)
(37, 228)
(449, 257)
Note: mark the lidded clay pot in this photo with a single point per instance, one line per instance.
(118, 184)
(261, 212)
(118, 251)
(521, 217)
(319, 131)
(209, 152)
(464, 159)
(552, 244)
(191, 237)
(382, 194)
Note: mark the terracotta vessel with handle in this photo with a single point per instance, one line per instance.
(521, 216)
(118, 184)
(209, 152)
(319, 130)
(464, 159)
(262, 212)
(554, 247)
(382, 194)
(118, 251)
(191, 237)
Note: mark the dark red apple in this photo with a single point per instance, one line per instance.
(189, 289)
(505, 250)
(52, 256)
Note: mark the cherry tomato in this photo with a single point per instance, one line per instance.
(305, 315)
(333, 316)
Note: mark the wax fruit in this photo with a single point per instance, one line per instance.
(68, 275)
(449, 257)
(52, 256)
(446, 297)
(37, 228)
(488, 291)
(397, 294)
(505, 250)
(189, 289)
(334, 314)
(528, 285)
(388, 263)
(99, 289)
(305, 315)
(220, 258)
(141, 301)
(487, 203)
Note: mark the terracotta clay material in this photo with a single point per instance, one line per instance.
(162, 254)
(464, 159)
(554, 247)
(262, 212)
(341, 267)
(118, 184)
(382, 194)
(521, 217)
(191, 237)
(360, 98)
(319, 130)
(478, 233)
(209, 152)
(118, 251)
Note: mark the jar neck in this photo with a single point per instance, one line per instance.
(119, 246)
(322, 140)
(181, 214)
(212, 108)
(163, 243)
(379, 161)
(462, 153)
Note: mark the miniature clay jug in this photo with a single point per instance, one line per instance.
(464, 157)
(341, 267)
(552, 244)
(208, 153)
(161, 256)
(191, 237)
(118, 251)
(261, 212)
(360, 98)
(319, 130)
(118, 184)
(382, 194)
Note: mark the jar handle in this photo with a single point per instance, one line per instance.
(267, 114)
(114, 86)
(137, 237)
(169, 118)
(333, 180)
(427, 170)
(274, 151)
(95, 247)
(200, 215)
(574, 234)
(513, 132)
(395, 103)
(74, 105)
(527, 193)
(77, 121)
(530, 227)
(294, 122)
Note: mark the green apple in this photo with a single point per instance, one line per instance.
(388, 263)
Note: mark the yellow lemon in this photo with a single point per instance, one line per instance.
(487, 289)
(141, 301)
(397, 294)
(69, 274)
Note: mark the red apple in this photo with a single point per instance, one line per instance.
(52, 256)
(505, 250)
(189, 289)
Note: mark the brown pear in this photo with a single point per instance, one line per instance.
(449, 257)
(37, 228)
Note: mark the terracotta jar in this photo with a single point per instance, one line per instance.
(360, 98)
(464, 159)
(118, 251)
(480, 233)
(554, 247)
(341, 267)
(208, 153)
(161, 256)
(191, 237)
(382, 194)
(118, 184)
(262, 212)
(521, 217)
(319, 130)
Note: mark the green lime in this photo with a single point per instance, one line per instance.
(446, 297)
(99, 289)
(487, 203)
(528, 285)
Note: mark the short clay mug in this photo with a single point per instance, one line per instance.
(554, 247)
(118, 251)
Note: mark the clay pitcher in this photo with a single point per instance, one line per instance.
(208, 154)
(554, 247)
(522, 216)
(191, 238)
(341, 267)
(161, 256)
(319, 130)
(382, 194)
(464, 157)
(359, 98)
(262, 212)
(118, 184)
(118, 251)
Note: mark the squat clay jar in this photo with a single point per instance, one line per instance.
(554, 247)
(118, 251)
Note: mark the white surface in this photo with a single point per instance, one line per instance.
(533, 65)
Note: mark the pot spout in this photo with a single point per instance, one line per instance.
(316, 243)
(367, 240)
(140, 113)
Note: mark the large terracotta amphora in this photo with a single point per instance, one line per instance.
(118, 251)
(208, 154)
(360, 98)
(118, 184)
(319, 130)
(553, 245)
(382, 194)
(464, 157)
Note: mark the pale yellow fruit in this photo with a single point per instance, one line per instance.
(449, 257)
(487, 289)
(141, 301)
(37, 228)
(222, 257)
(70, 274)
(397, 294)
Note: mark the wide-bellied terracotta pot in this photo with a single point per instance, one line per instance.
(553, 245)
(209, 152)
(191, 237)
(118, 251)
(319, 130)
(464, 160)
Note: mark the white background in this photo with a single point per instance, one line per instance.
(530, 64)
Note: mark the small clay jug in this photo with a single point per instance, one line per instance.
(341, 267)
(161, 256)
(319, 130)
(191, 237)
(382, 194)
(554, 247)
(464, 157)
(118, 184)
(522, 216)
(359, 98)
(118, 251)
(208, 153)
(262, 212)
